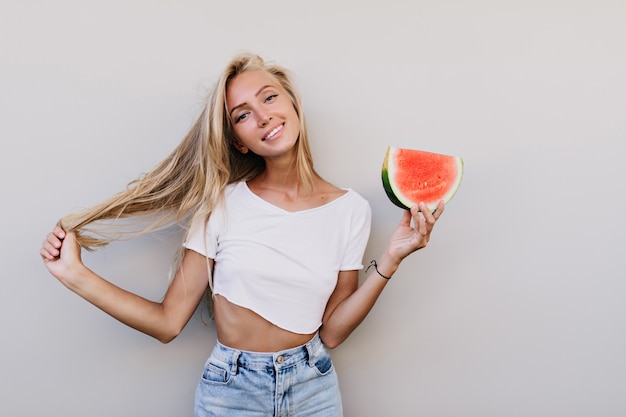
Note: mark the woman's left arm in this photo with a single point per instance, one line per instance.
(350, 303)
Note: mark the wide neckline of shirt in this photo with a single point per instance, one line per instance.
(248, 191)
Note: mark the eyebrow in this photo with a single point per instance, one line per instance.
(244, 103)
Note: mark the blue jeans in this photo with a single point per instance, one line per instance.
(296, 382)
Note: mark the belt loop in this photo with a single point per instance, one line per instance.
(311, 349)
(234, 366)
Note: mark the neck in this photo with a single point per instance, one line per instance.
(282, 178)
(279, 173)
(285, 180)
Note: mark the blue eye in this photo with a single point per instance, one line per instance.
(271, 97)
(241, 117)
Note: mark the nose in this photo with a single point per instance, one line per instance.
(264, 120)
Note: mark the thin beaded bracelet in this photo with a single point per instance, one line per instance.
(375, 265)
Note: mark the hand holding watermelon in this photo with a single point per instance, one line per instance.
(421, 183)
(406, 239)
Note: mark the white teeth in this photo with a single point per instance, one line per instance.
(273, 132)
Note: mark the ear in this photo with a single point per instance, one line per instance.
(241, 147)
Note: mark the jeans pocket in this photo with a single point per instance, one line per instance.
(216, 372)
(323, 364)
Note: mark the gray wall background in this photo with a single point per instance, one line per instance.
(516, 308)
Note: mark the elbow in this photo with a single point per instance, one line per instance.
(331, 341)
(165, 339)
(168, 335)
(331, 344)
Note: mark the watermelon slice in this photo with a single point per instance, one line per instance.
(411, 176)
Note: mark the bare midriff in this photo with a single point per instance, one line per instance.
(243, 329)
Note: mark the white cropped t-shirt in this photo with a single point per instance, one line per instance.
(282, 265)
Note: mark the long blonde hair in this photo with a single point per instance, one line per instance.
(187, 185)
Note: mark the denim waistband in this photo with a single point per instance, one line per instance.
(268, 360)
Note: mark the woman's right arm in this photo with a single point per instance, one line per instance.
(163, 321)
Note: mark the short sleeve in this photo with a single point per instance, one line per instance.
(204, 240)
(360, 225)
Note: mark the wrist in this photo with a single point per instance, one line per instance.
(387, 267)
(375, 265)
(75, 277)
(384, 267)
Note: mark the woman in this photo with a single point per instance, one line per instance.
(277, 247)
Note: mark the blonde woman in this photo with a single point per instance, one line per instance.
(276, 246)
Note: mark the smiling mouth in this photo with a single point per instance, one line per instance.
(273, 133)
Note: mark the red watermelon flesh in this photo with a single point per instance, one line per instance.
(411, 176)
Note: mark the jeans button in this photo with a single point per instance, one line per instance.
(280, 359)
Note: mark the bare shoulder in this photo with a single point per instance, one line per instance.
(326, 192)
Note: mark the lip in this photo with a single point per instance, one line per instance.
(277, 131)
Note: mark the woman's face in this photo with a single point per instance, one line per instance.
(263, 117)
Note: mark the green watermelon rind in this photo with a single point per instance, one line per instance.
(395, 196)
(389, 191)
